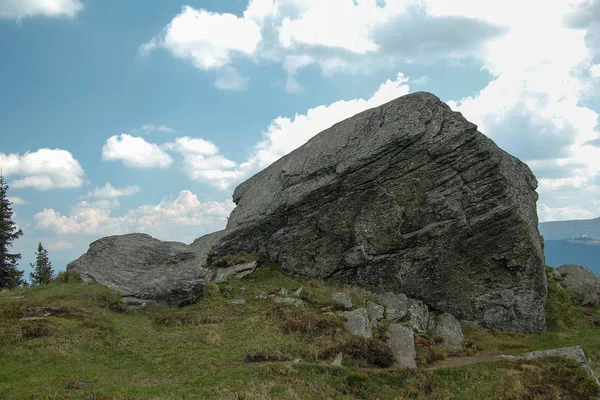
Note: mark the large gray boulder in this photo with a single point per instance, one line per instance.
(448, 328)
(408, 198)
(581, 280)
(141, 267)
(402, 343)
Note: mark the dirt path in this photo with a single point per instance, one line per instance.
(452, 362)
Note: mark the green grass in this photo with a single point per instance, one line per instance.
(92, 348)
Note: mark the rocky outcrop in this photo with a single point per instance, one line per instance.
(581, 280)
(575, 353)
(239, 271)
(358, 322)
(408, 198)
(141, 267)
(448, 328)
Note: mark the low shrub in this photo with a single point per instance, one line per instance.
(67, 277)
(296, 320)
(267, 355)
(370, 352)
(429, 350)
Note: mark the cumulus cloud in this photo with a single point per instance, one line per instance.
(229, 78)
(209, 40)
(363, 35)
(181, 219)
(149, 128)
(108, 191)
(546, 213)
(43, 169)
(202, 162)
(59, 246)
(16, 201)
(135, 152)
(19, 9)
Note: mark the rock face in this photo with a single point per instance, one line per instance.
(449, 329)
(239, 271)
(408, 198)
(141, 267)
(358, 322)
(402, 342)
(581, 280)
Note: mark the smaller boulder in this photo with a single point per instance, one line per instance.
(402, 342)
(375, 312)
(396, 305)
(239, 271)
(583, 281)
(338, 360)
(358, 323)
(419, 315)
(288, 300)
(237, 301)
(343, 299)
(449, 329)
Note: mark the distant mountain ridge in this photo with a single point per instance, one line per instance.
(579, 228)
(572, 242)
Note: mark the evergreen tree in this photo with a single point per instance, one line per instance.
(10, 276)
(42, 269)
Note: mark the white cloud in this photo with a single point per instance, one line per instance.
(181, 219)
(202, 162)
(337, 35)
(43, 169)
(286, 134)
(546, 213)
(229, 78)
(108, 191)
(149, 128)
(17, 201)
(59, 246)
(595, 70)
(19, 9)
(135, 152)
(209, 40)
(534, 106)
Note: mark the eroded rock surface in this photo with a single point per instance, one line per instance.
(449, 329)
(408, 198)
(143, 268)
(358, 322)
(402, 342)
(581, 280)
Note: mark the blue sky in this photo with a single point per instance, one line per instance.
(143, 116)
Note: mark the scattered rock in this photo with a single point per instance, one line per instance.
(237, 301)
(133, 302)
(402, 342)
(297, 292)
(12, 298)
(431, 322)
(419, 315)
(343, 299)
(239, 271)
(581, 280)
(575, 353)
(338, 360)
(137, 265)
(418, 202)
(358, 323)
(375, 312)
(296, 360)
(33, 318)
(288, 300)
(449, 329)
(331, 314)
(396, 305)
(283, 292)
(261, 297)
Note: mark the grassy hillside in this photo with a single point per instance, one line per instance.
(89, 346)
